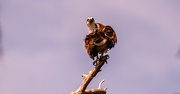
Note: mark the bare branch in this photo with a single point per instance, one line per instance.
(89, 77)
(100, 84)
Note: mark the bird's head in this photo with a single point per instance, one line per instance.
(91, 24)
(90, 21)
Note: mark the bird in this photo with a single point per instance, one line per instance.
(99, 40)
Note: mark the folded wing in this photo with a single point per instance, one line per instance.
(111, 36)
(90, 47)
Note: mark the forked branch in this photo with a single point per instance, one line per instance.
(89, 77)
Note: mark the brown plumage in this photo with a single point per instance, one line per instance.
(99, 40)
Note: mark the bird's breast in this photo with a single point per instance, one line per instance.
(102, 49)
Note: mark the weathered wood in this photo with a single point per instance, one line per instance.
(89, 77)
(99, 90)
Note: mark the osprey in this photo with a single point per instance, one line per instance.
(99, 40)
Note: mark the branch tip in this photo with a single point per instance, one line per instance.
(84, 76)
(90, 71)
(100, 84)
(105, 88)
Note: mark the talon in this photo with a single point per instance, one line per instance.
(107, 56)
(95, 63)
(106, 61)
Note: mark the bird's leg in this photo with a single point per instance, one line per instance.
(95, 62)
(101, 56)
(104, 58)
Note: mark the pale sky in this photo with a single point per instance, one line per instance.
(44, 53)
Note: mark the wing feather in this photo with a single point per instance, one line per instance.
(90, 47)
(111, 36)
